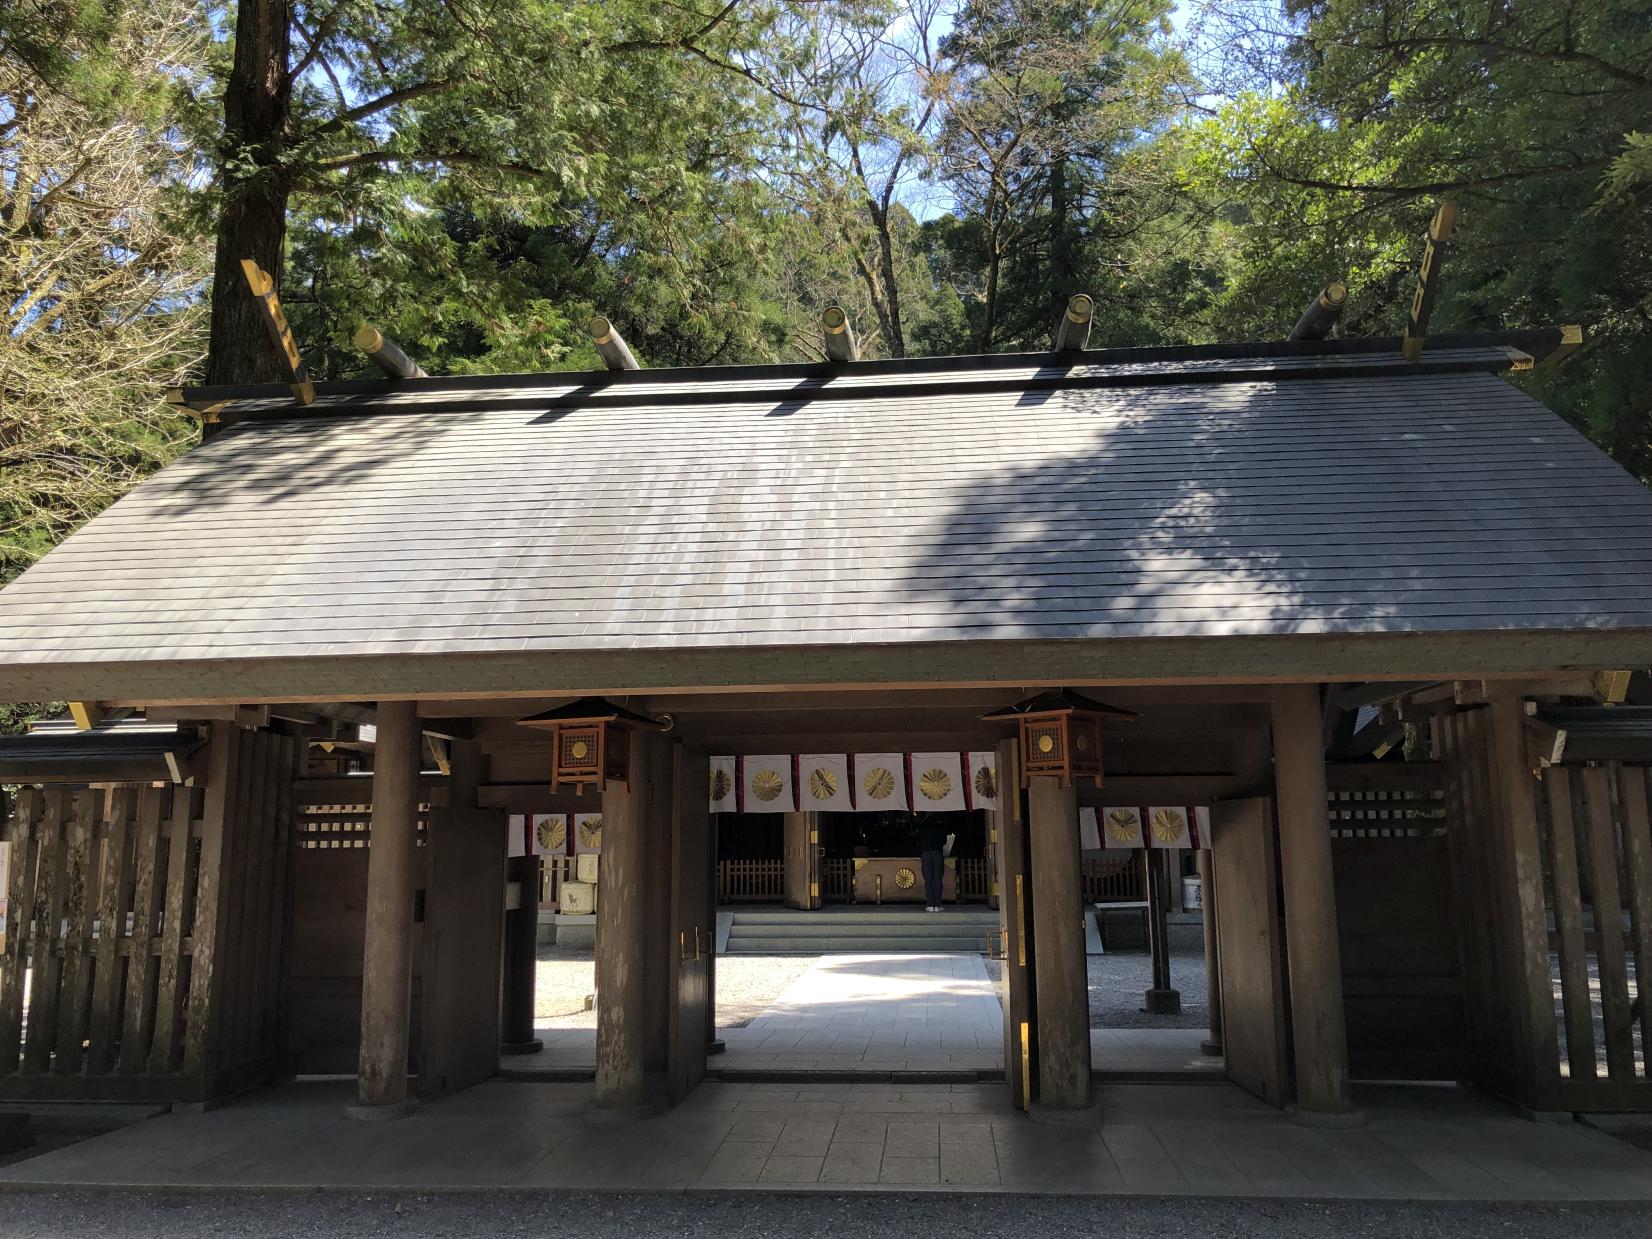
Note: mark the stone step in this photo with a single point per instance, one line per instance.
(866, 944)
(849, 919)
(934, 925)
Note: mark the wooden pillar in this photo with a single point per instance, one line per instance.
(623, 1020)
(1213, 967)
(1311, 949)
(1163, 998)
(1059, 971)
(1514, 801)
(387, 958)
(1009, 829)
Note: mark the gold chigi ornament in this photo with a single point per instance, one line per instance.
(1060, 733)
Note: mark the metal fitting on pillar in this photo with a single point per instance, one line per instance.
(611, 346)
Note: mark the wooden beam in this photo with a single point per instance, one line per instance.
(1072, 331)
(383, 352)
(1321, 313)
(1611, 686)
(87, 714)
(840, 336)
(1428, 281)
(1571, 339)
(611, 346)
(262, 285)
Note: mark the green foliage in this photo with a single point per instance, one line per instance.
(1529, 116)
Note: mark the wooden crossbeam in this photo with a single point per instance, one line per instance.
(262, 285)
(1428, 281)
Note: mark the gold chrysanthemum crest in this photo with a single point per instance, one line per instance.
(822, 784)
(935, 784)
(767, 785)
(879, 783)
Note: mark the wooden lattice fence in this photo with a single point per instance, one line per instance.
(146, 928)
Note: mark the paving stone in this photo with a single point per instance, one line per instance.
(804, 1139)
(746, 1131)
(852, 1162)
(969, 1163)
(910, 1170)
(782, 1169)
(912, 1140)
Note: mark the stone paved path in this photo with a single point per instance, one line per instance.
(1211, 1140)
(889, 1012)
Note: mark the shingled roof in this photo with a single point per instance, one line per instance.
(1324, 510)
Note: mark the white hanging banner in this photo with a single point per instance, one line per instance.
(938, 782)
(1121, 827)
(1089, 839)
(724, 794)
(1167, 827)
(768, 784)
(981, 786)
(517, 841)
(550, 834)
(823, 783)
(587, 832)
(880, 782)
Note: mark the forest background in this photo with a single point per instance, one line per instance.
(478, 177)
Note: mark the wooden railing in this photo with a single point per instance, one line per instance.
(837, 878)
(750, 881)
(1113, 881)
(972, 878)
(553, 872)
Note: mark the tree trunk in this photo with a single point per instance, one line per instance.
(252, 222)
(891, 291)
(989, 311)
(1063, 268)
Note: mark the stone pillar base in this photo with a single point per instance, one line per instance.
(1163, 1002)
(363, 1112)
(521, 1047)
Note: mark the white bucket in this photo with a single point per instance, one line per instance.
(1193, 894)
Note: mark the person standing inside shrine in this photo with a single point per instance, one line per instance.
(934, 844)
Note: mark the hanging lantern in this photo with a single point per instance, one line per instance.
(589, 745)
(1060, 734)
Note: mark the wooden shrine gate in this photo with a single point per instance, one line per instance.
(144, 947)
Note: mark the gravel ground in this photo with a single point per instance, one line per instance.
(310, 1215)
(746, 985)
(1120, 978)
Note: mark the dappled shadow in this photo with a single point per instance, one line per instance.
(1407, 503)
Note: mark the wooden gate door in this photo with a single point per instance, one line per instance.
(693, 918)
(463, 944)
(1009, 840)
(1248, 945)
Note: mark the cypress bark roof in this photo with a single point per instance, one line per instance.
(1304, 494)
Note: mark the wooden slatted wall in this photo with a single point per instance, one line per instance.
(148, 926)
(1599, 900)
